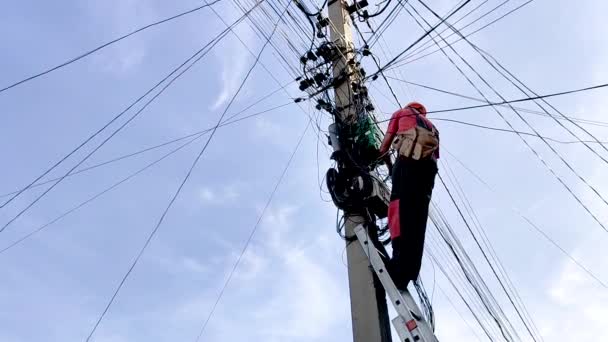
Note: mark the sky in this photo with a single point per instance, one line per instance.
(291, 283)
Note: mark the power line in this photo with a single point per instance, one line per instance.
(229, 121)
(521, 109)
(532, 98)
(194, 136)
(517, 132)
(116, 40)
(467, 35)
(91, 199)
(252, 233)
(185, 179)
(531, 223)
(591, 187)
(210, 44)
(428, 32)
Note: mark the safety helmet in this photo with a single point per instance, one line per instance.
(418, 106)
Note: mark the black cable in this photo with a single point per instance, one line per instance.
(476, 288)
(386, 23)
(79, 57)
(533, 225)
(147, 149)
(429, 43)
(428, 32)
(380, 11)
(546, 102)
(483, 252)
(466, 303)
(516, 132)
(299, 3)
(195, 136)
(211, 45)
(252, 233)
(521, 109)
(470, 34)
(492, 104)
(599, 195)
(179, 189)
(460, 212)
(378, 65)
(103, 192)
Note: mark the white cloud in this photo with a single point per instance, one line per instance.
(579, 305)
(118, 16)
(220, 195)
(280, 292)
(233, 58)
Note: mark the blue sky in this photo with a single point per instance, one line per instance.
(291, 284)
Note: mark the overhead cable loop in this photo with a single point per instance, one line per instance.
(116, 40)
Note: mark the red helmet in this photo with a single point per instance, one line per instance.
(418, 106)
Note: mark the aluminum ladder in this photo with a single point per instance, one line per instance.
(409, 323)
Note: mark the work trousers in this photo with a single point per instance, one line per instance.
(413, 182)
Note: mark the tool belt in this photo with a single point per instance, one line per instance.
(417, 143)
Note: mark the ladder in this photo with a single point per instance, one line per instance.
(409, 323)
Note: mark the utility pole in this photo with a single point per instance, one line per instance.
(370, 322)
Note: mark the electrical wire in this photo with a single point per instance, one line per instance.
(544, 234)
(521, 109)
(468, 34)
(525, 99)
(197, 56)
(96, 196)
(179, 189)
(229, 121)
(518, 132)
(251, 234)
(116, 40)
(194, 136)
(380, 11)
(591, 187)
(428, 32)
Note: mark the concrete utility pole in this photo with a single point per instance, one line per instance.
(367, 298)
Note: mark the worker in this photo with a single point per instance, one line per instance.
(416, 141)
